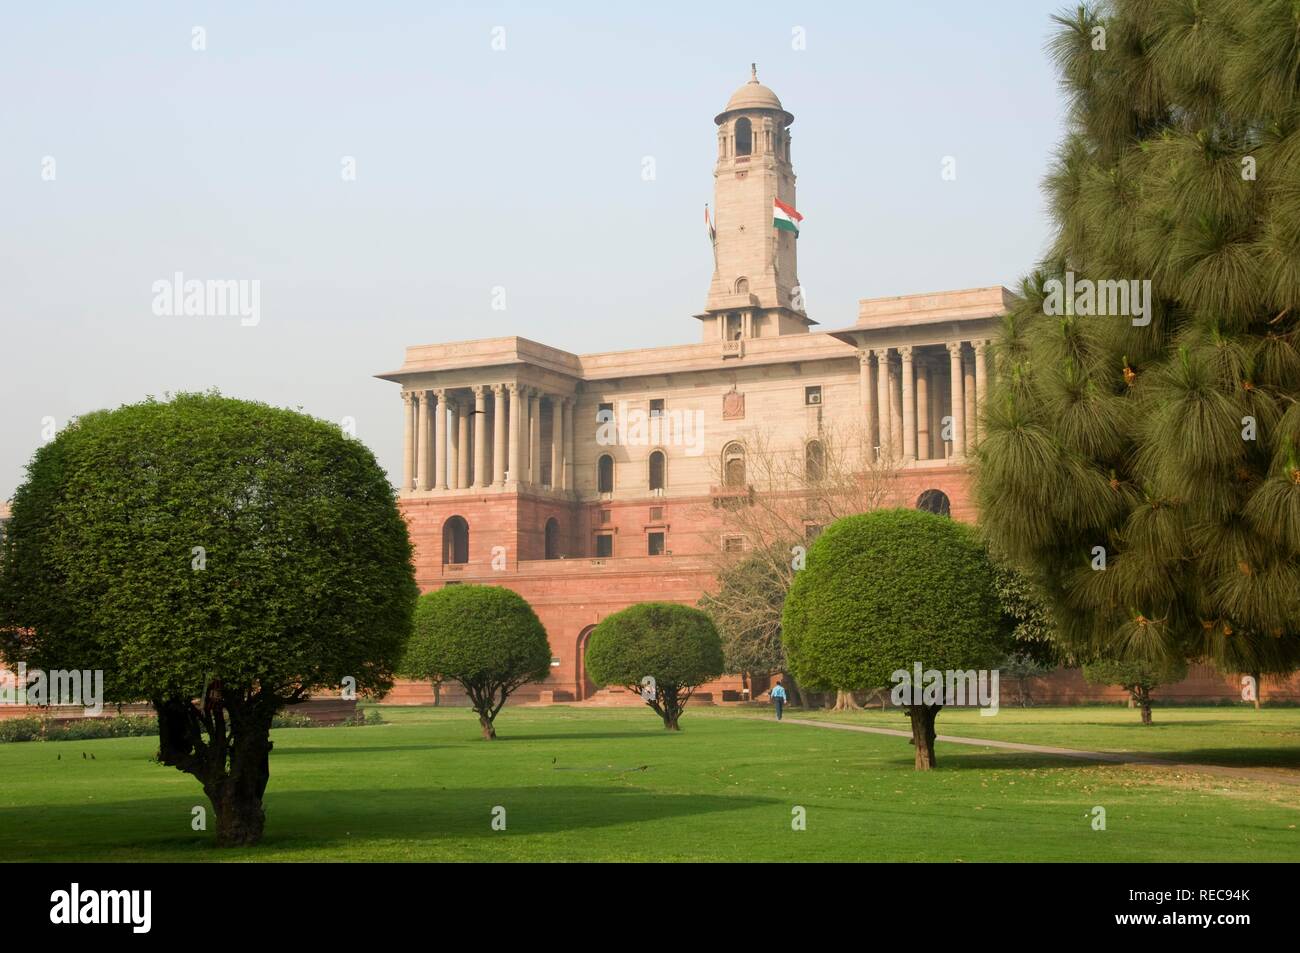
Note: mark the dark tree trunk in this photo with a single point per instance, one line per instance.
(668, 706)
(226, 744)
(489, 732)
(1259, 689)
(1143, 699)
(923, 734)
(797, 695)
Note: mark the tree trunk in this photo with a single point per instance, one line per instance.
(227, 746)
(237, 796)
(797, 695)
(437, 694)
(489, 732)
(1143, 699)
(1259, 689)
(670, 719)
(923, 734)
(240, 817)
(844, 701)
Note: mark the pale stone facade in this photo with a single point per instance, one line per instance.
(522, 465)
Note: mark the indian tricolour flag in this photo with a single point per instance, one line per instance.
(784, 216)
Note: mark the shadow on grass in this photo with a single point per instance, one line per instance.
(1230, 757)
(321, 820)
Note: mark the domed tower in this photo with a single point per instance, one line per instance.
(755, 274)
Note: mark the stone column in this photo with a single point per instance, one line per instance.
(942, 408)
(958, 401)
(440, 439)
(923, 412)
(968, 386)
(408, 440)
(981, 386)
(462, 444)
(882, 399)
(425, 454)
(557, 443)
(909, 404)
(481, 475)
(499, 434)
(516, 433)
(568, 443)
(453, 442)
(535, 437)
(868, 397)
(895, 412)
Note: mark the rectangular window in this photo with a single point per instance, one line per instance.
(656, 544)
(657, 407)
(734, 544)
(605, 413)
(606, 516)
(604, 545)
(812, 396)
(656, 514)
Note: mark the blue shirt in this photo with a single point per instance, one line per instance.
(778, 692)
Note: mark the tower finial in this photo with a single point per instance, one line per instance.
(753, 72)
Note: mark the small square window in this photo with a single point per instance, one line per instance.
(656, 514)
(656, 544)
(734, 544)
(604, 545)
(606, 516)
(812, 396)
(657, 407)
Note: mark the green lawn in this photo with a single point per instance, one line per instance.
(581, 784)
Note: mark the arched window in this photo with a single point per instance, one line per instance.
(742, 286)
(658, 466)
(934, 501)
(605, 474)
(455, 541)
(733, 465)
(552, 538)
(744, 137)
(814, 462)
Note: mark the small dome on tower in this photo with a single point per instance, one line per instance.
(753, 95)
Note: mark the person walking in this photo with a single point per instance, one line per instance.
(778, 697)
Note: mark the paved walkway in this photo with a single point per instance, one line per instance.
(1110, 757)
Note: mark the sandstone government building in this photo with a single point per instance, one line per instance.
(520, 469)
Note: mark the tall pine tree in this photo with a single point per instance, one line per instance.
(1167, 452)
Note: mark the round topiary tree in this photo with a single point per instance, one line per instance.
(889, 590)
(487, 638)
(218, 557)
(1137, 677)
(676, 645)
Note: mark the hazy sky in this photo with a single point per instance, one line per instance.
(475, 168)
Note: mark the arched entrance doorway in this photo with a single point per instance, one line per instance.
(586, 687)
